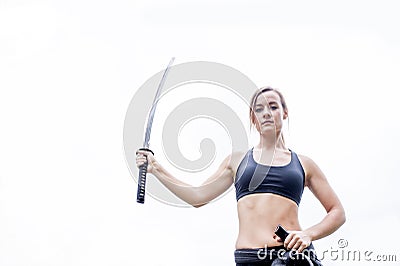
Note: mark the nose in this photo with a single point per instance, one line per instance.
(267, 113)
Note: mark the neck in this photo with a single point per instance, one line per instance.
(271, 142)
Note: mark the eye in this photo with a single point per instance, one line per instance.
(274, 107)
(258, 110)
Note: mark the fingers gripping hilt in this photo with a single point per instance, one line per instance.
(291, 258)
(142, 178)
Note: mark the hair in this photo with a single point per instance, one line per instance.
(254, 99)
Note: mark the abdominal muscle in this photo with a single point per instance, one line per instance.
(259, 214)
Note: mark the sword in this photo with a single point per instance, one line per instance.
(143, 168)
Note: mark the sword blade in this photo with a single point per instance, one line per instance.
(150, 118)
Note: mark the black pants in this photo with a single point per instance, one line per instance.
(276, 256)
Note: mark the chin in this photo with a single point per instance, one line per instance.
(267, 131)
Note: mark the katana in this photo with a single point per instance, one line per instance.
(146, 143)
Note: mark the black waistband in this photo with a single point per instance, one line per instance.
(271, 254)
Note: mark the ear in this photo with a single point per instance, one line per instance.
(285, 115)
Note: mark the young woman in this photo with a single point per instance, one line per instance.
(269, 181)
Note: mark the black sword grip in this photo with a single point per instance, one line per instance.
(141, 183)
(142, 179)
(281, 232)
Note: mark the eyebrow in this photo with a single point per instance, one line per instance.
(270, 103)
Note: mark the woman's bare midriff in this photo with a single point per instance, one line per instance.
(259, 214)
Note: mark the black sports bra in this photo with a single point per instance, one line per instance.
(287, 181)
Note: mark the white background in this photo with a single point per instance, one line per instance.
(68, 70)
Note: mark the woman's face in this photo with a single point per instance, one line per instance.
(268, 112)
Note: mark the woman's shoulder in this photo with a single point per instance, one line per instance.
(308, 164)
(304, 158)
(236, 157)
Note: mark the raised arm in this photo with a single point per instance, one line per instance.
(196, 196)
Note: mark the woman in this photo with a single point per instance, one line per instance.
(269, 181)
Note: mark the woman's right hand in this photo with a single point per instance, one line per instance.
(141, 156)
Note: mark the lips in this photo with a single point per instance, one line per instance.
(267, 122)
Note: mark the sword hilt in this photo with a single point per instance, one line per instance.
(142, 178)
(281, 232)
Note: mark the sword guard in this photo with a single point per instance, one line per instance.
(146, 149)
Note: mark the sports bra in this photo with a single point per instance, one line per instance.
(287, 180)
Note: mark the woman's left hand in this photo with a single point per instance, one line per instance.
(297, 240)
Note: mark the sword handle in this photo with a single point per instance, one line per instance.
(281, 232)
(142, 179)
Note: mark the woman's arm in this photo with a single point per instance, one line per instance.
(319, 186)
(335, 217)
(196, 196)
